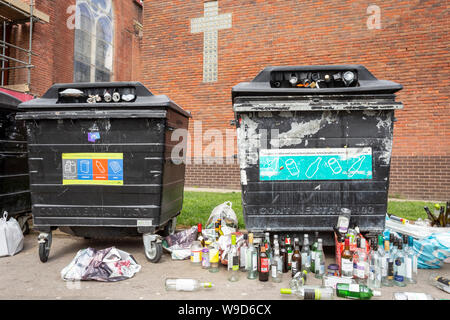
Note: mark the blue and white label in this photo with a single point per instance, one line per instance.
(315, 164)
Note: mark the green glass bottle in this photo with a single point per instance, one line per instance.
(355, 291)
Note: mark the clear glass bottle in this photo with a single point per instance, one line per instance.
(233, 261)
(346, 261)
(440, 282)
(176, 284)
(276, 246)
(374, 279)
(319, 261)
(362, 265)
(399, 266)
(213, 258)
(243, 254)
(388, 262)
(313, 251)
(311, 292)
(355, 291)
(411, 262)
(306, 254)
(275, 271)
(299, 280)
(412, 296)
(252, 259)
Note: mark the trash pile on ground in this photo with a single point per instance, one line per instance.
(11, 236)
(363, 264)
(107, 265)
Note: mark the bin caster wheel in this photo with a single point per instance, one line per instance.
(45, 242)
(153, 251)
(26, 228)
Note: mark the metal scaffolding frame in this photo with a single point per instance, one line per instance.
(21, 16)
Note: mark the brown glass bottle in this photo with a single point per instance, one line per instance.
(347, 261)
(284, 256)
(296, 264)
(264, 265)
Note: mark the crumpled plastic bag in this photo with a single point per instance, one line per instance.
(179, 244)
(229, 221)
(107, 265)
(11, 236)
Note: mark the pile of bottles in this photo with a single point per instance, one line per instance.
(361, 267)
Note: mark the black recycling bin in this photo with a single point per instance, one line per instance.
(14, 180)
(101, 163)
(313, 140)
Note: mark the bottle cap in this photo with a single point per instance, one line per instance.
(437, 206)
(285, 291)
(199, 227)
(208, 285)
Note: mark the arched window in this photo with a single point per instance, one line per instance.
(93, 41)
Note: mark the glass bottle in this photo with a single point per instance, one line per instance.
(399, 266)
(362, 266)
(356, 259)
(374, 279)
(264, 265)
(313, 251)
(311, 292)
(355, 291)
(440, 282)
(306, 254)
(411, 262)
(346, 261)
(320, 261)
(213, 258)
(276, 246)
(233, 261)
(290, 251)
(275, 270)
(296, 262)
(205, 256)
(268, 246)
(177, 284)
(243, 254)
(412, 296)
(388, 280)
(284, 256)
(200, 237)
(252, 259)
(298, 280)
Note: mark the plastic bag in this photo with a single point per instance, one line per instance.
(11, 236)
(179, 244)
(432, 251)
(418, 231)
(108, 265)
(229, 221)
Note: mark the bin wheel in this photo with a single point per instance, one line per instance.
(26, 228)
(170, 227)
(154, 252)
(44, 251)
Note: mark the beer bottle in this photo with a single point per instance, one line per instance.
(264, 265)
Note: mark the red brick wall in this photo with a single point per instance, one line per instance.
(54, 43)
(411, 48)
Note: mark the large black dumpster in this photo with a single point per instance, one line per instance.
(14, 180)
(313, 140)
(101, 164)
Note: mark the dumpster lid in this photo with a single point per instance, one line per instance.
(8, 101)
(315, 80)
(94, 96)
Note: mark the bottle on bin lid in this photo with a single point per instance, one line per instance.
(344, 220)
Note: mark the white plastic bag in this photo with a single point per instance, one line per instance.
(229, 221)
(11, 236)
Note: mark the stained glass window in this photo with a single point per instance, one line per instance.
(94, 33)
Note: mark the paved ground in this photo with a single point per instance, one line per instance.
(25, 277)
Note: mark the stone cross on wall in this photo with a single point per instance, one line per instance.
(210, 25)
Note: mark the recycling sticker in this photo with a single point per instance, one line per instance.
(315, 164)
(92, 168)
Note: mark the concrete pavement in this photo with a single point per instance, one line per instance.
(25, 277)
